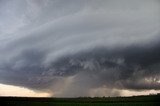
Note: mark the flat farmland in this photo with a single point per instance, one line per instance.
(151, 100)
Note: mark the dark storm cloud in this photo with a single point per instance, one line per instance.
(80, 45)
(135, 68)
(118, 68)
(126, 64)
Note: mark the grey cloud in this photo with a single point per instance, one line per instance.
(80, 45)
(116, 68)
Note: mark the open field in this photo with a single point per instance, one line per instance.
(152, 100)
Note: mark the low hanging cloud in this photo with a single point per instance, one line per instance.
(71, 48)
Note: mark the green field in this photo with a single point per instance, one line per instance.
(152, 100)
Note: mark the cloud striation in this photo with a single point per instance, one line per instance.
(69, 48)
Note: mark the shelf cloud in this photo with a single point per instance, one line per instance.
(71, 48)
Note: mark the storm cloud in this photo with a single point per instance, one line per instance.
(72, 47)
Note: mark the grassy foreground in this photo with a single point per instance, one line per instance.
(152, 100)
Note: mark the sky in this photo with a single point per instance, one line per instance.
(73, 48)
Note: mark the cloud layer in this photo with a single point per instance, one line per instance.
(70, 48)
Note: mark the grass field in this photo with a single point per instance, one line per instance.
(152, 100)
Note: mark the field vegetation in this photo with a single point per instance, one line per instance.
(150, 100)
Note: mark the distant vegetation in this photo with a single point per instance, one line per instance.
(150, 100)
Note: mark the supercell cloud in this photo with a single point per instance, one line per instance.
(75, 47)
